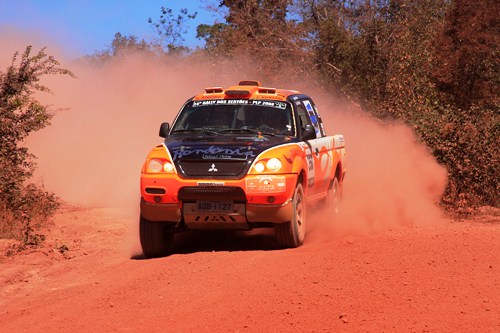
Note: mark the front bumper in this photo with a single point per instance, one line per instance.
(257, 199)
(253, 213)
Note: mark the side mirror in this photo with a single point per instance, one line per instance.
(164, 129)
(308, 133)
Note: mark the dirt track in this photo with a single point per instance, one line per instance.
(412, 279)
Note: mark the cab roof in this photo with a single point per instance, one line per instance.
(248, 89)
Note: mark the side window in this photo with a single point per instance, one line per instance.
(314, 117)
(304, 118)
(318, 117)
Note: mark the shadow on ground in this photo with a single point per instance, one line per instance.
(208, 241)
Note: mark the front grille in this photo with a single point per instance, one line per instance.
(212, 169)
(216, 193)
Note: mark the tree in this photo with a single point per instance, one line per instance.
(22, 203)
(121, 46)
(172, 28)
(263, 36)
(210, 34)
(431, 64)
(364, 47)
(466, 73)
(467, 53)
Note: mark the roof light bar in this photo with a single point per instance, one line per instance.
(237, 92)
(267, 91)
(250, 83)
(214, 90)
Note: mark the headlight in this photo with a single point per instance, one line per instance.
(168, 167)
(274, 164)
(268, 165)
(155, 165)
(259, 167)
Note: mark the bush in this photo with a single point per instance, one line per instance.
(24, 206)
(466, 141)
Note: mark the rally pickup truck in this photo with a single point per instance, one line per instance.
(240, 158)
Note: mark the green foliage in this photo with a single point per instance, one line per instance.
(23, 206)
(125, 44)
(122, 46)
(210, 33)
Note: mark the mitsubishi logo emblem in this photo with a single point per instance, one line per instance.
(212, 168)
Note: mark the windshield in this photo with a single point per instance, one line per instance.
(236, 116)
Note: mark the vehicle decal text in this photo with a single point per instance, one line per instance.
(212, 152)
(272, 104)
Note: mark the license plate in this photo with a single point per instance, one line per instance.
(214, 206)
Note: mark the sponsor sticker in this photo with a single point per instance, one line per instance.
(310, 166)
(266, 184)
(312, 116)
(212, 152)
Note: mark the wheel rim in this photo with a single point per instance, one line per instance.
(300, 212)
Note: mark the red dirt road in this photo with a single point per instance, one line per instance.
(412, 279)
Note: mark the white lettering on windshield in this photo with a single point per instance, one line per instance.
(272, 104)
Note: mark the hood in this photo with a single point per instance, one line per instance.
(219, 156)
(221, 148)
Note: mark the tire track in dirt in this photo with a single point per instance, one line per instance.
(422, 278)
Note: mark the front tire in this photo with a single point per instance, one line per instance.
(292, 234)
(156, 238)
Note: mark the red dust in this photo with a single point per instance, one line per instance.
(392, 180)
(440, 278)
(92, 153)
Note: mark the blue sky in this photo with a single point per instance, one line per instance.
(86, 26)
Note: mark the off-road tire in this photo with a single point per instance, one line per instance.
(333, 199)
(156, 237)
(292, 234)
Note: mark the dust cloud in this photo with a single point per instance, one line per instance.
(392, 180)
(92, 153)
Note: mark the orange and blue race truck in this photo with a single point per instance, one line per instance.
(240, 158)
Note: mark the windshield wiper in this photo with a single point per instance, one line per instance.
(239, 130)
(246, 130)
(195, 130)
